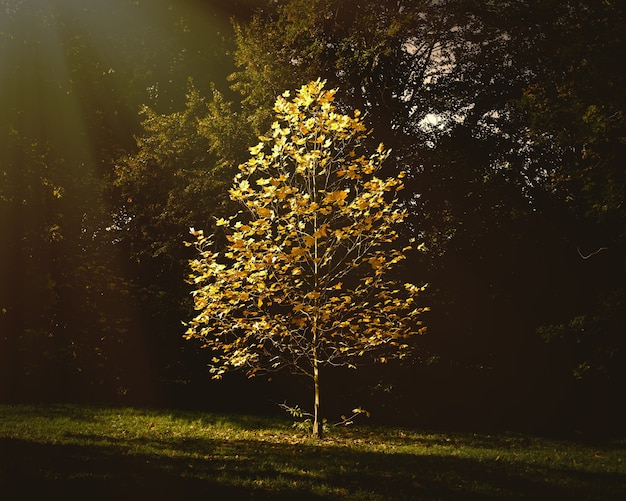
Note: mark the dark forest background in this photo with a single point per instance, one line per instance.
(122, 124)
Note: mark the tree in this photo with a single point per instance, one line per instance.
(575, 114)
(508, 120)
(71, 306)
(167, 183)
(304, 280)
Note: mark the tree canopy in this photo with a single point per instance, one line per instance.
(303, 282)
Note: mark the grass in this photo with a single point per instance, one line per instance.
(109, 453)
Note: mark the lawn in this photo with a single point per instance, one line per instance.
(61, 452)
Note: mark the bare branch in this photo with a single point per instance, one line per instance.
(592, 254)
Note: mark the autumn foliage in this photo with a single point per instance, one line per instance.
(302, 279)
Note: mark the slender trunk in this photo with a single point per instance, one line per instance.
(318, 431)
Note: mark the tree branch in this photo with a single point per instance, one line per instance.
(592, 254)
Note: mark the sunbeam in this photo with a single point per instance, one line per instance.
(73, 76)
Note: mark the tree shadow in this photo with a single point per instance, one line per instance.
(108, 472)
(183, 468)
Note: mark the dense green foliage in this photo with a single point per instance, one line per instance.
(508, 118)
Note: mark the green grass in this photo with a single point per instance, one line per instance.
(108, 453)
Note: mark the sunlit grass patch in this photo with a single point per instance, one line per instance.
(122, 452)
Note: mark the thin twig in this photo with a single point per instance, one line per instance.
(592, 254)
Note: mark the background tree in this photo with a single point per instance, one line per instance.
(67, 313)
(304, 283)
(575, 113)
(81, 318)
(512, 154)
(177, 177)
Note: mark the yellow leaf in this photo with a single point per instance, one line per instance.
(375, 262)
(335, 196)
(362, 203)
(298, 251)
(254, 150)
(321, 231)
(320, 188)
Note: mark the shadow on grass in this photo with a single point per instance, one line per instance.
(103, 472)
(251, 469)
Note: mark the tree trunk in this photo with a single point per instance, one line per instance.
(318, 431)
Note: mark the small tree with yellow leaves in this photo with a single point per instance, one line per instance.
(302, 281)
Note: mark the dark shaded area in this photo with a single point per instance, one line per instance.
(104, 473)
(211, 468)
